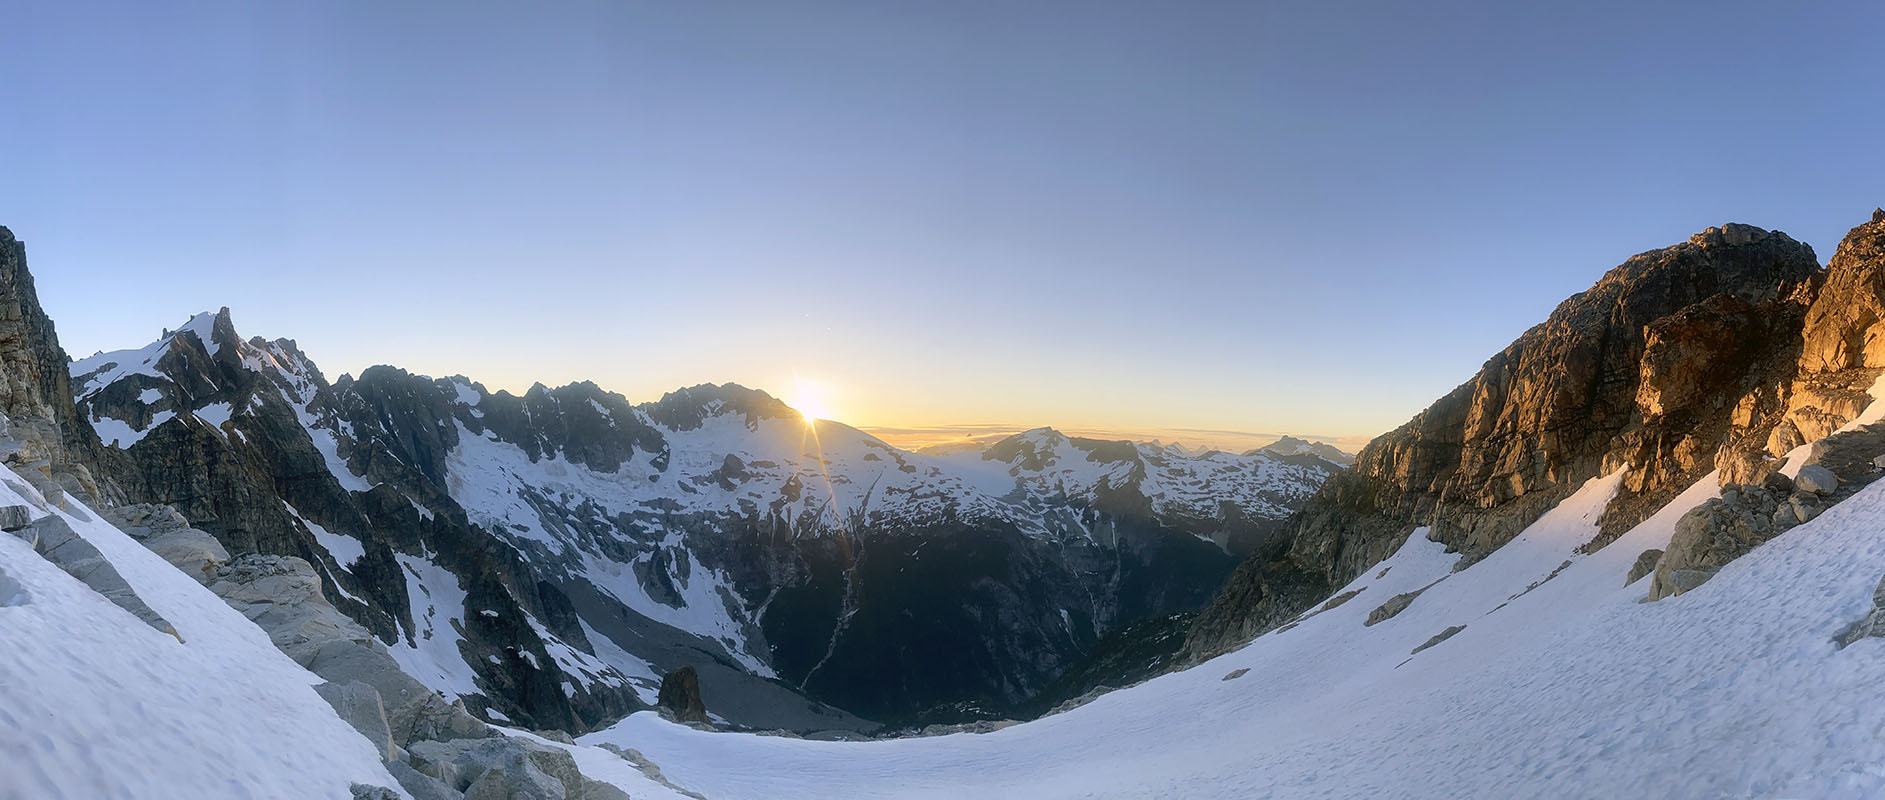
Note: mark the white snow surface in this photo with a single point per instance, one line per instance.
(430, 651)
(1571, 689)
(116, 432)
(94, 703)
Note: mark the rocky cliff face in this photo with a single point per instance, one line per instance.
(1725, 351)
(35, 398)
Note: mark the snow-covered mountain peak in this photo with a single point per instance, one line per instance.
(684, 409)
(1292, 446)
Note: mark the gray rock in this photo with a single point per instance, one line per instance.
(521, 766)
(1645, 564)
(1234, 674)
(1685, 579)
(282, 595)
(517, 779)
(12, 593)
(597, 790)
(196, 553)
(47, 486)
(1804, 506)
(1393, 606)
(1816, 479)
(420, 785)
(13, 518)
(1438, 638)
(361, 791)
(1715, 533)
(359, 704)
(1873, 624)
(62, 546)
(142, 520)
(556, 736)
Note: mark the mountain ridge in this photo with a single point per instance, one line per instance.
(709, 525)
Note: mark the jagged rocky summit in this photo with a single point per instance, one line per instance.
(1725, 352)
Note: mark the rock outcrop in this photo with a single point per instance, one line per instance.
(679, 698)
(1725, 351)
(53, 538)
(43, 436)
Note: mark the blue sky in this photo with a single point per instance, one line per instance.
(1311, 218)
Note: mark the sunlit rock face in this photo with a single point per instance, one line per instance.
(547, 556)
(1725, 351)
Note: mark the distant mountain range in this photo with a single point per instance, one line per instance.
(714, 527)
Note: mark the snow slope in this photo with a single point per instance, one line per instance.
(1560, 684)
(94, 703)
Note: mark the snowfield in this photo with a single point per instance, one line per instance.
(94, 703)
(1557, 681)
(1570, 689)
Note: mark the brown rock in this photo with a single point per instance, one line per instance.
(679, 697)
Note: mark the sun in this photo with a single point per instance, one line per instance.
(810, 400)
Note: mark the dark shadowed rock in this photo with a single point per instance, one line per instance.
(679, 698)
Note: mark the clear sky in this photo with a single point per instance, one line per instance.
(1302, 217)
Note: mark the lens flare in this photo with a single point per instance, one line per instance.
(810, 400)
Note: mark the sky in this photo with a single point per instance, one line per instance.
(1210, 222)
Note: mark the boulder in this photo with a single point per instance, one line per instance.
(1804, 506)
(164, 531)
(359, 704)
(420, 785)
(196, 553)
(1746, 467)
(679, 697)
(13, 518)
(1816, 479)
(1645, 564)
(1715, 533)
(517, 779)
(500, 767)
(1873, 624)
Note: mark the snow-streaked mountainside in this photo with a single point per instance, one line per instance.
(714, 527)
